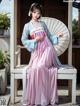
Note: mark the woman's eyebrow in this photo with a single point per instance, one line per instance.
(36, 11)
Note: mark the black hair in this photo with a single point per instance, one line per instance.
(33, 7)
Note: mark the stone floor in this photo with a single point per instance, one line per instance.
(63, 100)
(4, 99)
(67, 104)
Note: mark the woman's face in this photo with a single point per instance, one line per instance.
(36, 14)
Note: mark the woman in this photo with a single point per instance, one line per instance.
(40, 84)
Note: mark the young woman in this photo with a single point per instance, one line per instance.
(40, 82)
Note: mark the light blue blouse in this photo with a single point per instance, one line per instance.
(31, 44)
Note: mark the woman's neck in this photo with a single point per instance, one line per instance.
(34, 20)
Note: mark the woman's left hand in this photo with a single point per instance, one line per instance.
(59, 34)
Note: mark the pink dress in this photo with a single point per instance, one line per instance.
(40, 82)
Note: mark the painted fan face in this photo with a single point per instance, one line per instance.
(55, 26)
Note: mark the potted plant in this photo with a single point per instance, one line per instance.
(4, 23)
(4, 62)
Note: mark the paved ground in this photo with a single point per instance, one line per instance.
(4, 99)
(63, 100)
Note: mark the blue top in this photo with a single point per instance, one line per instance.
(30, 44)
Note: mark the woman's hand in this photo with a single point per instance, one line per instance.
(39, 38)
(59, 34)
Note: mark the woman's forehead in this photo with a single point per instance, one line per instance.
(36, 10)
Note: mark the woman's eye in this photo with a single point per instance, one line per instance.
(38, 13)
(34, 12)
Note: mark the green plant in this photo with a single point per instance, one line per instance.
(76, 34)
(75, 29)
(4, 59)
(4, 21)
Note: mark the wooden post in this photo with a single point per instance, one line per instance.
(70, 45)
(13, 33)
(70, 29)
(73, 87)
(12, 38)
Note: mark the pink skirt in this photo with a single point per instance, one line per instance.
(40, 79)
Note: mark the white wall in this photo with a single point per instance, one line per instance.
(5, 43)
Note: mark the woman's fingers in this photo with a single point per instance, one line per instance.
(39, 38)
(60, 34)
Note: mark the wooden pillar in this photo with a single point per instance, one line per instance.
(70, 29)
(12, 36)
(13, 32)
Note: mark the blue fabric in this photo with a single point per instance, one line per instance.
(53, 38)
(30, 45)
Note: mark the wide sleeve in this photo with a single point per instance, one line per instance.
(53, 38)
(29, 44)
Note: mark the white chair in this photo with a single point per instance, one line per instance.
(64, 73)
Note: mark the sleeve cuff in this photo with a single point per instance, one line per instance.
(54, 39)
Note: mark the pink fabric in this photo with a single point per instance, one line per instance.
(40, 79)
